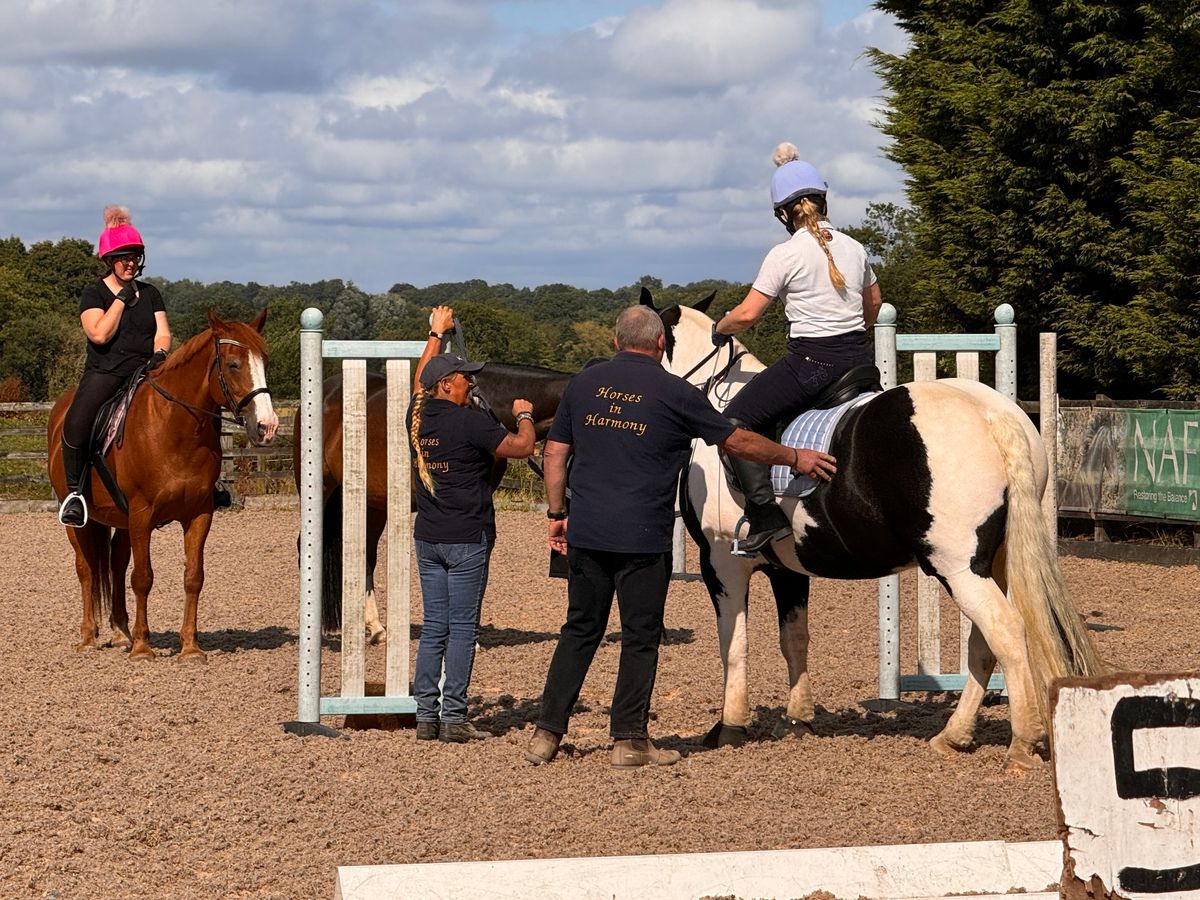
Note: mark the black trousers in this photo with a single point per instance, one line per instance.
(788, 386)
(94, 389)
(640, 582)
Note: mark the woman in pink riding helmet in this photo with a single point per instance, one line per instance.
(126, 327)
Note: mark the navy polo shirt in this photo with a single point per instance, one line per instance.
(133, 344)
(630, 423)
(458, 443)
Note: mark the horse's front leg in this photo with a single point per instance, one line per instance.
(141, 580)
(728, 582)
(791, 602)
(118, 618)
(195, 533)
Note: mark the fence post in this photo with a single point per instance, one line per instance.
(309, 417)
(889, 587)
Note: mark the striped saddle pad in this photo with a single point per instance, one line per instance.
(811, 430)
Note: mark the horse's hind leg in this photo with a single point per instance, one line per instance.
(118, 618)
(376, 520)
(88, 572)
(791, 601)
(1001, 629)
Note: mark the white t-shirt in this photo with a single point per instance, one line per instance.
(798, 272)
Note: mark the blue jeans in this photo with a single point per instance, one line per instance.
(453, 579)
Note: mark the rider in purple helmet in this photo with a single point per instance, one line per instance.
(831, 299)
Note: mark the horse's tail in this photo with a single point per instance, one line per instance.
(1055, 637)
(331, 563)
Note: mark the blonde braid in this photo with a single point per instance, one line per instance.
(807, 214)
(415, 439)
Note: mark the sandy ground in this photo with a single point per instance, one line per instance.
(176, 779)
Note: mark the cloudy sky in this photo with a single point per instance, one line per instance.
(523, 141)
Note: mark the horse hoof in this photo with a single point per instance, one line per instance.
(795, 727)
(89, 644)
(722, 735)
(193, 654)
(119, 641)
(141, 652)
(943, 746)
(1019, 762)
(378, 637)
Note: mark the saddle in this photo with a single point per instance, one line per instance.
(816, 427)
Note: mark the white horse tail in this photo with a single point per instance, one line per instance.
(1056, 639)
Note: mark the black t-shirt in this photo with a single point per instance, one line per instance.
(630, 423)
(458, 443)
(133, 344)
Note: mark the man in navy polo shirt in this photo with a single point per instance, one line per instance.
(629, 424)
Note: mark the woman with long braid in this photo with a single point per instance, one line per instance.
(831, 299)
(454, 445)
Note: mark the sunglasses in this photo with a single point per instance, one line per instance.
(128, 259)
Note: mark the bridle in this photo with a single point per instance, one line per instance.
(235, 407)
(717, 377)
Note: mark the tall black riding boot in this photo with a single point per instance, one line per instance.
(767, 521)
(73, 511)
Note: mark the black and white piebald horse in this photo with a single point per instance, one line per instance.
(946, 475)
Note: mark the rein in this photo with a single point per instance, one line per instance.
(717, 377)
(235, 407)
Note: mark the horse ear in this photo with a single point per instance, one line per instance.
(647, 299)
(703, 305)
(213, 321)
(261, 319)
(670, 316)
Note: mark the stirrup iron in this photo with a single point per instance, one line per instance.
(63, 505)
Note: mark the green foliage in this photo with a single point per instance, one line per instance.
(29, 347)
(1046, 146)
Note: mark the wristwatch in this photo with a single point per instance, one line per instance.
(440, 337)
(556, 516)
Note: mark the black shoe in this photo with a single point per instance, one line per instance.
(460, 733)
(767, 525)
(73, 512)
(427, 731)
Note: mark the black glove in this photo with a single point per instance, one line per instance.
(718, 339)
(128, 295)
(159, 357)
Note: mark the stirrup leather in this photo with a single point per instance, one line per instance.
(63, 506)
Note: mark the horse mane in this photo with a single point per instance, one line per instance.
(531, 370)
(200, 343)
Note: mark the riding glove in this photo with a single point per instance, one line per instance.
(159, 357)
(718, 339)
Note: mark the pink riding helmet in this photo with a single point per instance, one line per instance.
(118, 234)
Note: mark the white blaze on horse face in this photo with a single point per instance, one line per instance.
(261, 420)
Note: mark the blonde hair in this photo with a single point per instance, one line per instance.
(808, 215)
(414, 438)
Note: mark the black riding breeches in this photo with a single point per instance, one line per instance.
(95, 388)
(788, 386)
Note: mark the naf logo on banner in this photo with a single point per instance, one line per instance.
(1127, 777)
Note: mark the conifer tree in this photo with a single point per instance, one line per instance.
(1050, 147)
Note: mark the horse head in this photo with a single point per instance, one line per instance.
(237, 377)
(688, 332)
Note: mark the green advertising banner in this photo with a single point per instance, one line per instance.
(1162, 463)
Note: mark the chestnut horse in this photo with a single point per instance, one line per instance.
(166, 466)
(946, 475)
(496, 386)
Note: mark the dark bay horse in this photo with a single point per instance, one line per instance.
(946, 475)
(497, 385)
(166, 466)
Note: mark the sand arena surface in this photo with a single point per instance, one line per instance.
(175, 779)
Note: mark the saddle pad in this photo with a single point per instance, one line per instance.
(111, 419)
(811, 430)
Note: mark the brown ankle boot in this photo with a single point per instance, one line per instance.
(543, 746)
(634, 753)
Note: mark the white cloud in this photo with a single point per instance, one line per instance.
(426, 142)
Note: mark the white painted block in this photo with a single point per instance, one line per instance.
(1127, 775)
(898, 872)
